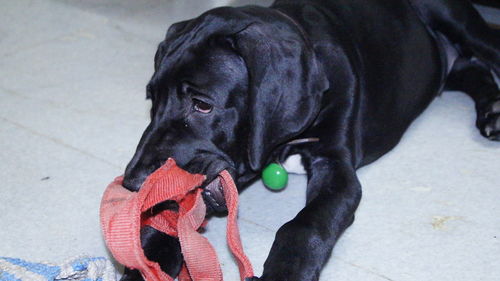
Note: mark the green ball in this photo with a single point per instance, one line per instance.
(275, 177)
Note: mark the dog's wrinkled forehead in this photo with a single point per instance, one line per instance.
(190, 45)
(186, 36)
(214, 70)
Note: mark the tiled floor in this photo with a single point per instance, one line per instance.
(72, 108)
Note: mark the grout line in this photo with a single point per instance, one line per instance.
(9, 53)
(363, 268)
(48, 102)
(120, 29)
(116, 27)
(64, 105)
(57, 141)
(256, 224)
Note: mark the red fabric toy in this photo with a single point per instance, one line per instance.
(124, 213)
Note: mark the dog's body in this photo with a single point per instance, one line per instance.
(234, 86)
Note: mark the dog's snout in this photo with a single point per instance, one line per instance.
(135, 175)
(144, 162)
(132, 184)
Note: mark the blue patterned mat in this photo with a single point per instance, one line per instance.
(81, 268)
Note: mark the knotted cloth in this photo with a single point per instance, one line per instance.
(124, 213)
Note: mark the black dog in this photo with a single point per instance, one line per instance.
(234, 86)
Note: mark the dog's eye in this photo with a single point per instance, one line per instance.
(202, 106)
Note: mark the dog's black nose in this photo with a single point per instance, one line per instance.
(132, 184)
(134, 177)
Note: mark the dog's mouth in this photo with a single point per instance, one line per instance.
(213, 191)
(213, 195)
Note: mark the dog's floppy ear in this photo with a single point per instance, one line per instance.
(173, 31)
(286, 83)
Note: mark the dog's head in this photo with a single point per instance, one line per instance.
(228, 87)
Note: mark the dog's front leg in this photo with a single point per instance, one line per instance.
(303, 245)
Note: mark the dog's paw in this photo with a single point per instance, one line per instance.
(488, 120)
